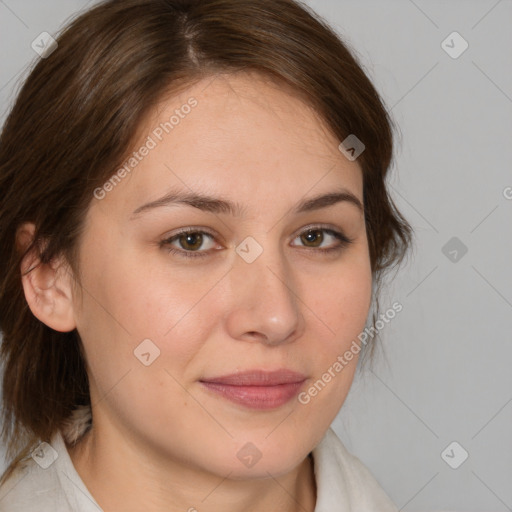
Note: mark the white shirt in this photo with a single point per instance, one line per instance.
(52, 484)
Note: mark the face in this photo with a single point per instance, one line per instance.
(268, 286)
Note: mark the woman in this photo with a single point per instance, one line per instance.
(195, 222)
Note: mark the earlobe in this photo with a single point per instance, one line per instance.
(47, 287)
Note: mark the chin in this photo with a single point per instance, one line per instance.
(253, 461)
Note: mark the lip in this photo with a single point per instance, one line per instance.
(257, 389)
(258, 378)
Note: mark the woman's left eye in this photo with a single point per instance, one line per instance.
(316, 236)
(190, 240)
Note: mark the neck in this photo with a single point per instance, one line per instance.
(121, 476)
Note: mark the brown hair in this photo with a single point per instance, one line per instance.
(78, 113)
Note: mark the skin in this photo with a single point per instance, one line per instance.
(161, 441)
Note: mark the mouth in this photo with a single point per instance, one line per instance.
(257, 389)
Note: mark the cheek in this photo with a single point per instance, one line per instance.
(342, 306)
(175, 310)
(124, 310)
(341, 300)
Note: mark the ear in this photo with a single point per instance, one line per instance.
(47, 287)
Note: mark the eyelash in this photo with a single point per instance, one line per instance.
(341, 237)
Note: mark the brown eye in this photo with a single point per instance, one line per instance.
(314, 237)
(191, 241)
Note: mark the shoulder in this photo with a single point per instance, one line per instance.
(30, 487)
(343, 478)
(46, 481)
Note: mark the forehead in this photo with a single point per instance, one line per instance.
(241, 136)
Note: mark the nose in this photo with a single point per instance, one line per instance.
(264, 306)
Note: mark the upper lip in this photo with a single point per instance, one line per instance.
(258, 378)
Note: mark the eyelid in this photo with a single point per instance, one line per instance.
(329, 228)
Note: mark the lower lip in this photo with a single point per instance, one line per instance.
(256, 397)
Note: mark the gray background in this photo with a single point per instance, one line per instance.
(446, 375)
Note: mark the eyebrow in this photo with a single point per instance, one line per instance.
(218, 205)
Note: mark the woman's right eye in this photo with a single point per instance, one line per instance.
(189, 240)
